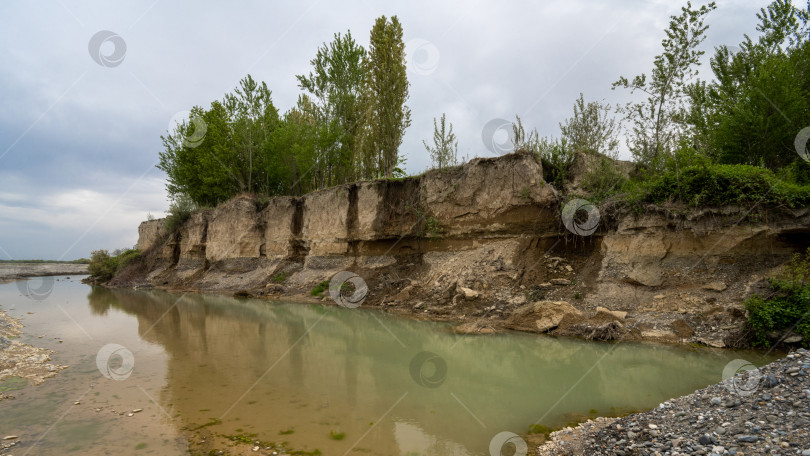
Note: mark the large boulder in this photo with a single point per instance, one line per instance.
(541, 316)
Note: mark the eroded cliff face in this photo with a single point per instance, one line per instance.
(484, 245)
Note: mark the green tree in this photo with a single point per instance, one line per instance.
(205, 172)
(293, 147)
(591, 129)
(232, 156)
(335, 84)
(444, 152)
(252, 118)
(385, 91)
(753, 110)
(657, 123)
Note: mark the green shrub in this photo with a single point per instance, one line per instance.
(604, 179)
(432, 227)
(556, 158)
(320, 288)
(797, 172)
(788, 308)
(179, 211)
(104, 266)
(718, 185)
(279, 278)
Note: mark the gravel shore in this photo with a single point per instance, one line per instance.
(757, 411)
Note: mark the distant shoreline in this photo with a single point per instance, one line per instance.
(82, 261)
(10, 271)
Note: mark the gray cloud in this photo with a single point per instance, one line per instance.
(75, 135)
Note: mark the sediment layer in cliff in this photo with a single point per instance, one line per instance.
(484, 245)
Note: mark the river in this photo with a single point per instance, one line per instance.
(319, 377)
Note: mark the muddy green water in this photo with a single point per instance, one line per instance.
(302, 373)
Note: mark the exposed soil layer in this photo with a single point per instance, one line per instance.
(485, 245)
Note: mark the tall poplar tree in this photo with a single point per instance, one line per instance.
(385, 92)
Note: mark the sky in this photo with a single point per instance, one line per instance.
(81, 118)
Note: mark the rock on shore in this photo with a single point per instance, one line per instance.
(762, 411)
(22, 360)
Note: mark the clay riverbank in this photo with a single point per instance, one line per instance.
(486, 245)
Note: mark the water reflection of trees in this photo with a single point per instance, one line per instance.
(347, 366)
(100, 299)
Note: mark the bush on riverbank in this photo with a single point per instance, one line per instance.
(179, 211)
(788, 308)
(104, 266)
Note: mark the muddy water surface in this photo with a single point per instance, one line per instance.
(340, 381)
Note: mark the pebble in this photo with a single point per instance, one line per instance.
(774, 418)
(704, 439)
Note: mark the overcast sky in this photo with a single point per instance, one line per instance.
(79, 140)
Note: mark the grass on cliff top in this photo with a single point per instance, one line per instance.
(719, 185)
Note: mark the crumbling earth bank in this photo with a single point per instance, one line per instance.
(484, 245)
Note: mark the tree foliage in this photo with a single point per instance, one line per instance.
(591, 129)
(103, 265)
(347, 124)
(385, 92)
(656, 124)
(229, 158)
(444, 152)
(335, 86)
(752, 111)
